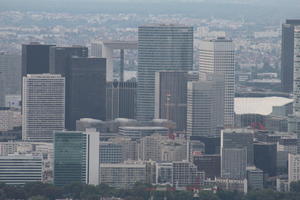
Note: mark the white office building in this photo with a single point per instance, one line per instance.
(43, 106)
(19, 169)
(218, 56)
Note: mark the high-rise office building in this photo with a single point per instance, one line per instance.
(218, 56)
(239, 138)
(76, 157)
(35, 58)
(294, 120)
(43, 106)
(120, 100)
(210, 164)
(10, 76)
(160, 48)
(171, 97)
(85, 90)
(60, 58)
(205, 105)
(287, 54)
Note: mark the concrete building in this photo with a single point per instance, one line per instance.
(85, 90)
(13, 101)
(228, 184)
(105, 49)
(17, 169)
(218, 56)
(171, 97)
(287, 54)
(255, 178)
(161, 47)
(35, 58)
(205, 105)
(239, 138)
(164, 173)
(118, 150)
(233, 163)
(125, 175)
(9, 118)
(120, 100)
(10, 76)
(43, 106)
(294, 168)
(185, 174)
(76, 157)
(137, 132)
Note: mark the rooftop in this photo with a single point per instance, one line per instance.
(258, 105)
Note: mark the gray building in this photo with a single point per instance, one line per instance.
(218, 56)
(20, 169)
(35, 58)
(43, 106)
(205, 105)
(120, 100)
(60, 57)
(233, 163)
(287, 54)
(171, 97)
(255, 178)
(160, 48)
(85, 90)
(10, 76)
(137, 132)
(239, 138)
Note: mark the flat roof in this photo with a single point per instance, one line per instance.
(258, 105)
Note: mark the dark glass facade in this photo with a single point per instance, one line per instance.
(35, 58)
(60, 58)
(69, 158)
(85, 90)
(120, 100)
(265, 157)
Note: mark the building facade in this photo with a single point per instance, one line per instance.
(120, 100)
(85, 90)
(35, 58)
(287, 55)
(160, 48)
(218, 56)
(76, 157)
(20, 169)
(171, 97)
(43, 106)
(205, 105)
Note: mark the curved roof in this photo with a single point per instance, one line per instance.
(258, 105)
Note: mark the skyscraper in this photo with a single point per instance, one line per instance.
(60, 58)
(171, 97)
(35, 58)
(233, 163)
(76, 157)
(287, 54)
(205, 105)
(120, 100)
(218, 56)
(43, 106)
(160, 48)
(85, 90)
(10, 76)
